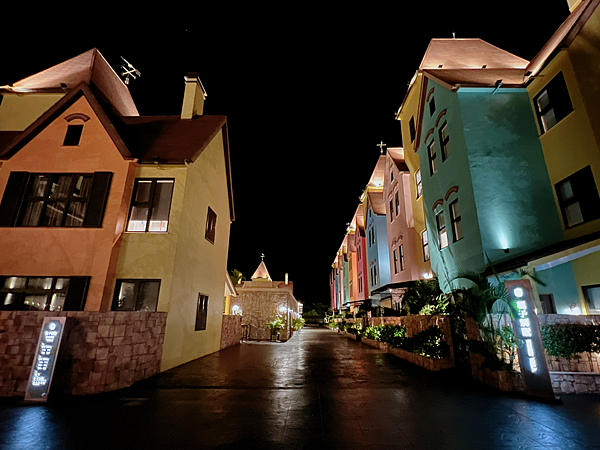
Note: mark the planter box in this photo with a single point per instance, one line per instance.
(432, 364)
(356, 337)
(370, 342)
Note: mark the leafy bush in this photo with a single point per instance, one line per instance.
(354, 328)
(566, 341)
(428, 342)
(298, 323)
(392, 334)
(439, 305)
(275, 324)
(371, 333)
(311, 313)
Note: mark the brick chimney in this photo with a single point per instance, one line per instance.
(193, 97)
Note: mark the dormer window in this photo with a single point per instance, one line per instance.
(73, 135)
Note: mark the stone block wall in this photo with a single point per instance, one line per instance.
(99, 352)
(231, 331)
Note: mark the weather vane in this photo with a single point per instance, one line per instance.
(129, 71)
(381, 145)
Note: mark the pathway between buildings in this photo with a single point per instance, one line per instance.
(318, 391)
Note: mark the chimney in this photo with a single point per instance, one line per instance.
(193, 97)
(573, 4)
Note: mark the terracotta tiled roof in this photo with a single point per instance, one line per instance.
(89, 67)
(472, 62)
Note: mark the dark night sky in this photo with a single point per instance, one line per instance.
(308, 91)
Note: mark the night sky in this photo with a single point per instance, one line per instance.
(309, 92)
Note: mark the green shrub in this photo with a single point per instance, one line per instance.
(566, 341)
(371, 332)
(298, 323)
(428, 342)
(392, 334)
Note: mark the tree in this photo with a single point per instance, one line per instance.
(236, 277)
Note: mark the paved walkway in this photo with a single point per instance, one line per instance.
(318, 391)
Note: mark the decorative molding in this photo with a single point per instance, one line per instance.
(437, 203)
(450, 191)
(429, 133)
(79, 116)
(442, 114)
(429, 94)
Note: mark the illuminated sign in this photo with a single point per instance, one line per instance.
(44, 361)
(532, 359)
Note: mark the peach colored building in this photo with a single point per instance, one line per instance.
(105, 210)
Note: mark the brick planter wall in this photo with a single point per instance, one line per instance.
(231, 331)
(432, 364)
(99, 352)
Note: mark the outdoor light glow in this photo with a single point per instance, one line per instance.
(282, 309)
(519, 293)
(526, 329)
(236, 310)
(428, 275)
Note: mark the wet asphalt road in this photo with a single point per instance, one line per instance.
(319, 390)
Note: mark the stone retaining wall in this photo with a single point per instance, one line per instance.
(99, 352)
(231, 331)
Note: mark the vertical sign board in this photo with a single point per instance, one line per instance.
(44, 360)
(532, 358)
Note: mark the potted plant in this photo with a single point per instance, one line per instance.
(275, 325)
(298, 323)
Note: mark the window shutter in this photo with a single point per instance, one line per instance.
(97, 200)
(13, 196)
(77, 293)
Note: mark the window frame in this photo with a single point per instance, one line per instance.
(562, 106)
(456, 221)
(210, 234)
(73, 135)
(151, 203)
(432, 156)
(401, 255)
(391, 210)
(419, 183)
(46, 199)
(441, 228)
(444, 143)
(397, 202)
(585, 194)
(137, 282)
(21, 293)
(395, 257)
(412, 129)
(425, 245)
(201, 313)
(432, 107)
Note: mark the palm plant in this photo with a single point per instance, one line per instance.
(236, 277)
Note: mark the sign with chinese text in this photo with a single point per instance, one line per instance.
(530, 348)
(44, 360)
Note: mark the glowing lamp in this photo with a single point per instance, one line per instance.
(518, 292)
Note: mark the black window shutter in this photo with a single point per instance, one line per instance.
(76, 294)
(13, 196)
(97, 200)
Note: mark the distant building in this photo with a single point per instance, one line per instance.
(261, 300)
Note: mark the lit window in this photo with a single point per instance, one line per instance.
(413, 130)
(425, 242)
(444, 141)
(419, 182)
(455, 218)
(432, 157)
(401, 251)
(201, 312)
(553, 104)
(441, 225)
(55, 200)
(578, 198)
(211, 226)
(43, 293)
(73, 135)
(136, 295)
(151, 205)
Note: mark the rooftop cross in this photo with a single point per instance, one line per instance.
(262, 256)
(381, 145)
